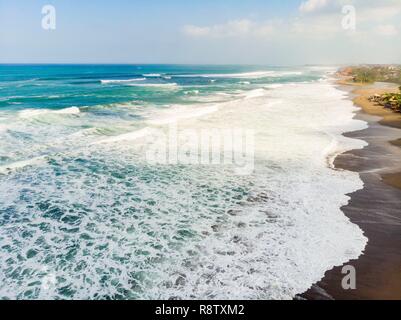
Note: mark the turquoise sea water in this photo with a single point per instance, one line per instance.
(59, 86)
(84, 215)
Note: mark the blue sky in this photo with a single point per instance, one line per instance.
(200, 31)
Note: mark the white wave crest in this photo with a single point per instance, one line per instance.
(121, 81)
(255, 93)
(9, 168)
(155, 85)
(32, 113)
(130, 136)
(152, 75)
(243, 75)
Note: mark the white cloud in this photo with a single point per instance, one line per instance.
(319, 19)
(232, 28)
(387, 30)
(265, 30)
(316, 27)
(196, 31)
(328, 14)
(316, 33)
(378, 13)
(312, 5)
(367, 10)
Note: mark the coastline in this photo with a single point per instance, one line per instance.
(376, 209)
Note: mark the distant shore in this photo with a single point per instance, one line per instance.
(377, 207)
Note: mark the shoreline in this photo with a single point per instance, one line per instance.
(376, 209)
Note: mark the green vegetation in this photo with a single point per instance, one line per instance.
(373, 73)
(364, 75)
(389, 100)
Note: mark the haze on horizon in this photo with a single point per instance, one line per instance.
(269, 32)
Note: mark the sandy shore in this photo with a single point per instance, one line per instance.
(376, 208)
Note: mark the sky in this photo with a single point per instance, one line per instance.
(268, 32)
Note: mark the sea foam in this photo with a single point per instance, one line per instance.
(130, 136)
(178, 113)
(11, 167)
(95, 222)
(32, 113)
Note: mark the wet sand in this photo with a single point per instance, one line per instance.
(376, 208)
(396, 143)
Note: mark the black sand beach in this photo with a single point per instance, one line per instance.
(376, 208)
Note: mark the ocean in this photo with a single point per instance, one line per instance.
(86, 214)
